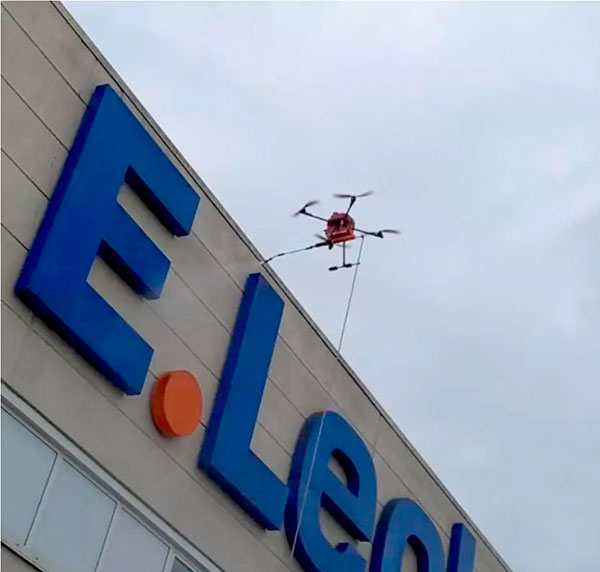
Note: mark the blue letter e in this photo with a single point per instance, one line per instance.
(313, 486)
(84, 219)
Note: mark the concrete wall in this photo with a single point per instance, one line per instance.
(11, 562)
(49, 71)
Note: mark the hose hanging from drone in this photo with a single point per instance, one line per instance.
(319, 244)
(339, 348)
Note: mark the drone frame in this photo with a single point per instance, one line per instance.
(330, 243)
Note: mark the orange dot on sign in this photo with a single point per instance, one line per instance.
(176, 404)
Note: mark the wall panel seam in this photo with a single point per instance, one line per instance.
(20, 169)
(20, 97)
(37, 47)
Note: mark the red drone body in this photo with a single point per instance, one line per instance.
(340, 229)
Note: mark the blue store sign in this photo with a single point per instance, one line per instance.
(84, 220)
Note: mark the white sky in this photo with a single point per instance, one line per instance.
(478, 125)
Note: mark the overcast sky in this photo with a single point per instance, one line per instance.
(478, 126)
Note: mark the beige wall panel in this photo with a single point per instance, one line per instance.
(14, 331)
(23, 204)
(224, 243)
(357, 407)
(308, 347)
(334, 533)
(389, 485)
(29, 143)
(11, 562)
(271, 453)
(486, 559)
(296, 381)
(34, 78)
(53, 35)
(279, 417)
(86, 370)
(278, 542)
(189, 318)
(13, 256)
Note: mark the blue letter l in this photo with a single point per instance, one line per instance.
(226, 454)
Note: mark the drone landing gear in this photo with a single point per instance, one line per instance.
(344, 263)
(347, 265)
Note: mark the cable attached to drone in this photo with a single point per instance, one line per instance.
(341, 229)
(339, 348)
(294, 252)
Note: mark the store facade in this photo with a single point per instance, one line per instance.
(120, 271)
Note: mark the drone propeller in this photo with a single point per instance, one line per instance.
(383, 231)
(307, 205)
(346, 196)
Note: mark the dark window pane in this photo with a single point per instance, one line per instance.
(179, 566)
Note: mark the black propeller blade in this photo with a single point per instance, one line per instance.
(346, 196)
(383, 231)
(307, 205)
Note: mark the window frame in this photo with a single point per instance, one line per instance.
(68, 452)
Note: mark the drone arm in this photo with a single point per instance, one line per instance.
(352, 201)
(378, 234)
(312, 216)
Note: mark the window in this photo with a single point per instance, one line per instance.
(132, 546)
(179, 566)
(26, 466)
(75, 513)
(72, 518)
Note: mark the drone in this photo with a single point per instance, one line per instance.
(339, 231)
